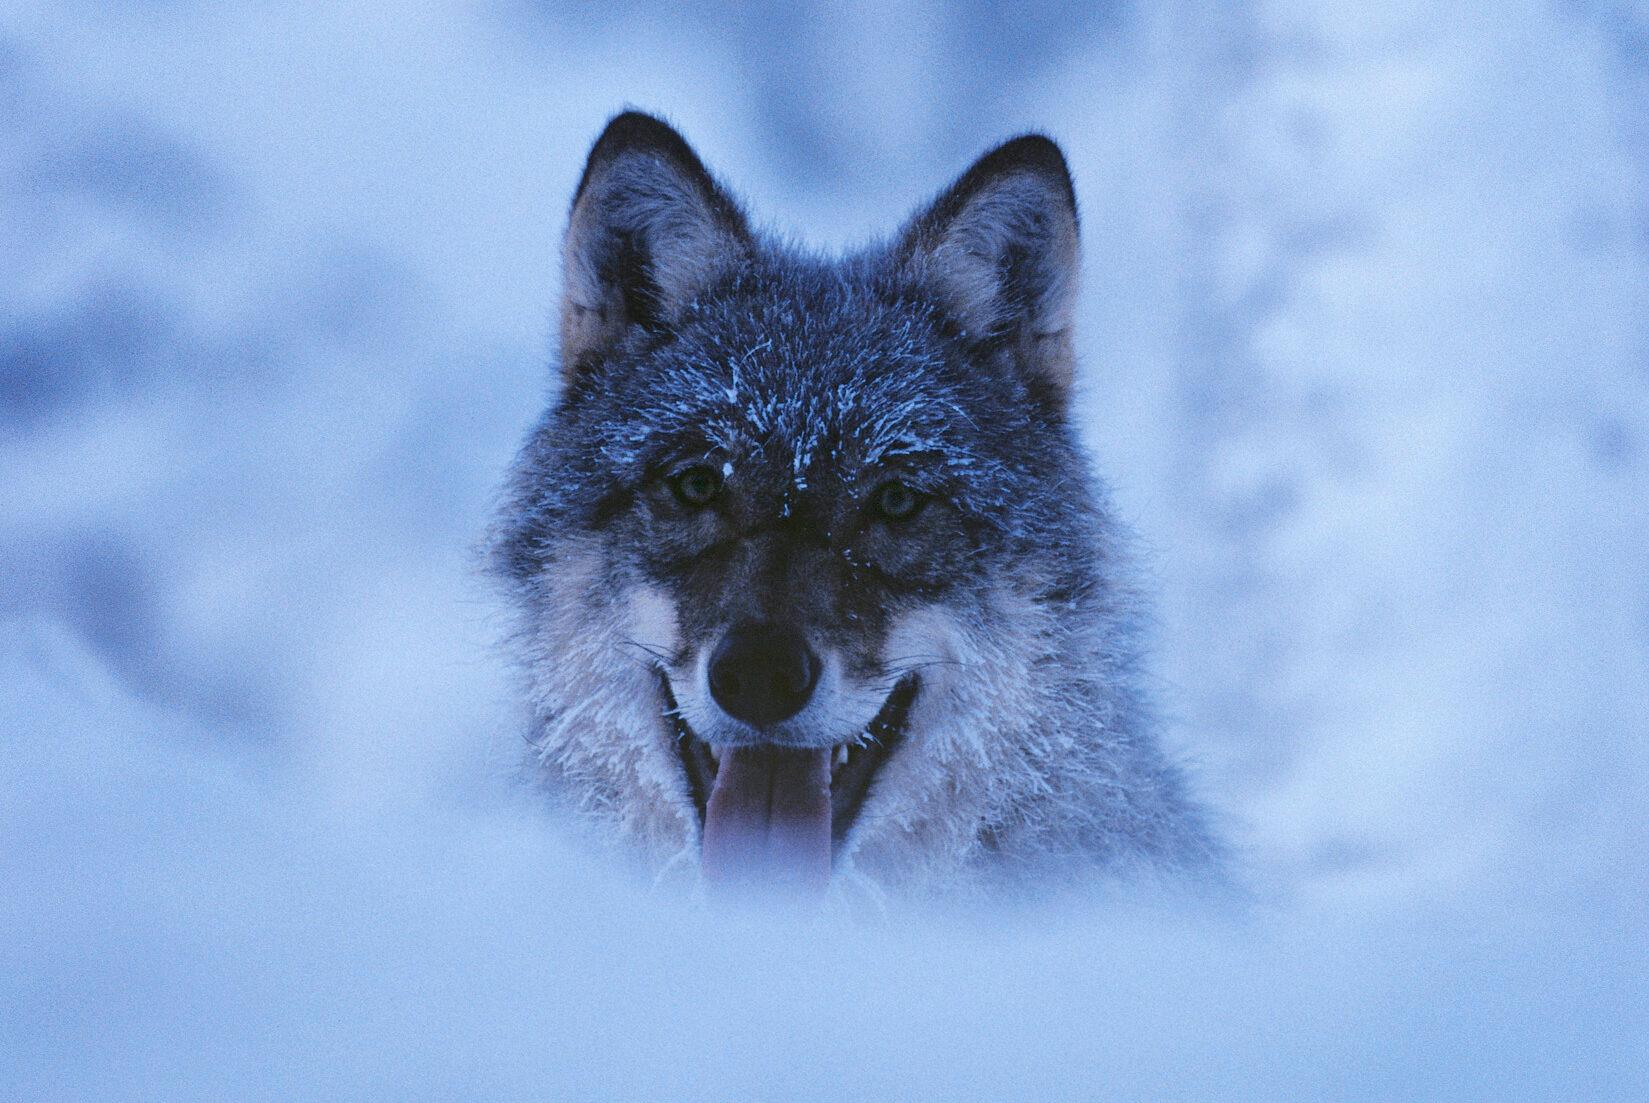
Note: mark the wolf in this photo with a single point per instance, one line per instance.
(813, 585)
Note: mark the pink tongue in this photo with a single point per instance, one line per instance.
(768, 819)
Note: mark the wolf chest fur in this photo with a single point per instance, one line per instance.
(813, 584)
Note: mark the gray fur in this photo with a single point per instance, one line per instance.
(941, 358)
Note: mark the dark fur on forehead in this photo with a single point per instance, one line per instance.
(795, 349)
(811, 372)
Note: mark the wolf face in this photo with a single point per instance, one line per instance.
(812, 580)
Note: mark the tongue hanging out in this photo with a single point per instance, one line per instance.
(767, 822)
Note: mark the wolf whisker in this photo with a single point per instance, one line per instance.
(910, 665)
(662, 658)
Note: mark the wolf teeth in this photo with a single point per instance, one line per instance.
(840, 757)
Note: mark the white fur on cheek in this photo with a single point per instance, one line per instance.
(654, 625)
(600, 729)
(962, 740)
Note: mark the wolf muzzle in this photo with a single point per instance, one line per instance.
(768, 817)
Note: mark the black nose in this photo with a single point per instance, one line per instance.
(762, 673)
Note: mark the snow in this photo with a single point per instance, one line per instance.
(1365, 348)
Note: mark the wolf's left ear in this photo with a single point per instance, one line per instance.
(999, 251)
(649, 230)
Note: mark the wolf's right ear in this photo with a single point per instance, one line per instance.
(649, 230)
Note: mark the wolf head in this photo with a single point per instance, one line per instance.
(813, 580)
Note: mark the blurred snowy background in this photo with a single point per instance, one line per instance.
(1366, 352)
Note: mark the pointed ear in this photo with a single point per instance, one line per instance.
(999, 252)
(649, 230)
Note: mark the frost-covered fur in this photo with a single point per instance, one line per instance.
(942, 359)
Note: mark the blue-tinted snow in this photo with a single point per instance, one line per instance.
(1366, 350)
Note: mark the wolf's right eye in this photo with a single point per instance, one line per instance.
(895, 501)
(696, 487)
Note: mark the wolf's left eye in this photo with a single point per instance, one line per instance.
(697, 486)
(894, 501)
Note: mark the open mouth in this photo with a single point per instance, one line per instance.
(780, 814)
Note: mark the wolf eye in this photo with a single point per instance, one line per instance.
(696, 487)
(894, 501)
